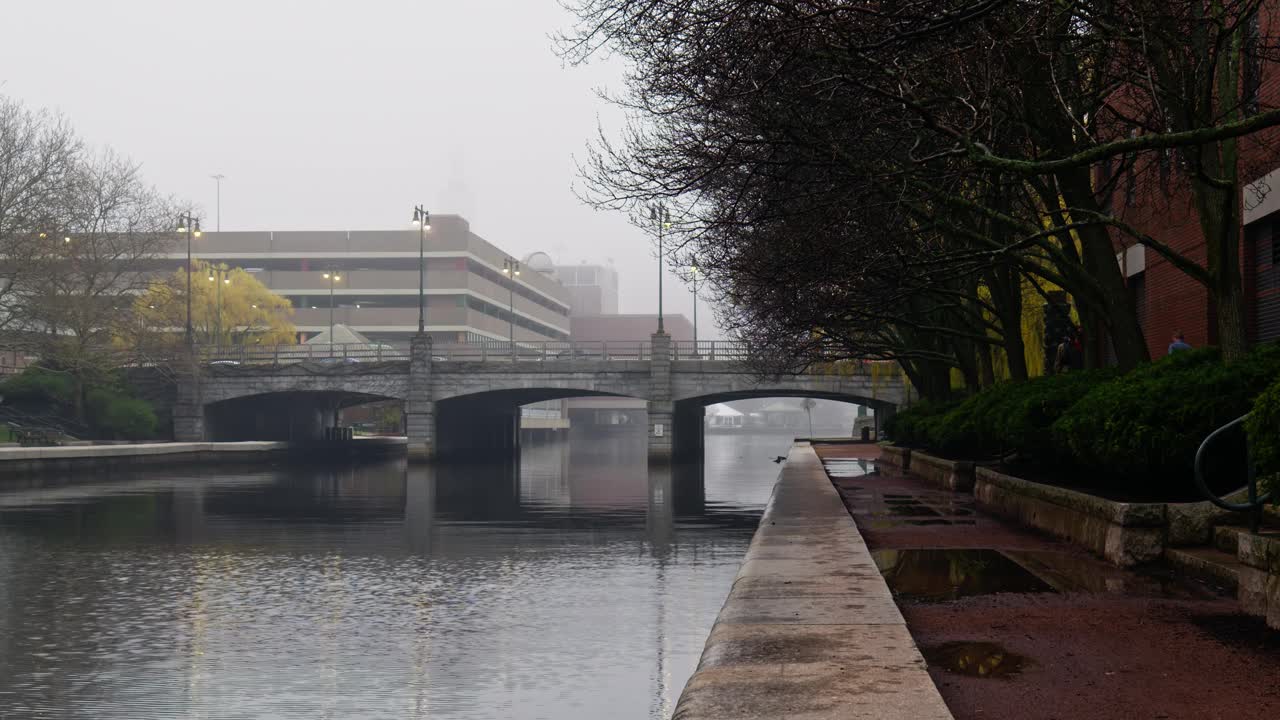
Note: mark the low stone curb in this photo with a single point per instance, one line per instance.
(810, 630)
(1126, 534)
(956, 475)
(1259, 580)
(899, 457)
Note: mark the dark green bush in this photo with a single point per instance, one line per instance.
(117, 415)
(1145, 426)
(913, 426)
(1025, 422)
(1263, 427)
(1012, 417)
(38, 386)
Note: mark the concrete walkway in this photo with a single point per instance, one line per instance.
(810, 630)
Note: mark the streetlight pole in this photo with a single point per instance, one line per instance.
(189, 224)
(511, 268)
(218, 223)
(658, 214)
(422, 219)
(693, 271)
(332, 277)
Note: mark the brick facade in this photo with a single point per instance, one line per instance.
(1155, 198)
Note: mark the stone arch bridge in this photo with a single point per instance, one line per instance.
(463, 403)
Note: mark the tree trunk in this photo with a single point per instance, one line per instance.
(1220, 223)
(1099, 257)
(986, 368)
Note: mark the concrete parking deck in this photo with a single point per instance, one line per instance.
(810, 630)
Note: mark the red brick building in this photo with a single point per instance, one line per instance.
(1154, 197)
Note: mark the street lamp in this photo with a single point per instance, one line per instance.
(658, 214)
(422, 219)
(333, 278)
(217, 274)
(511, 268)
(189, 224)
(218, 178)
(694, 273)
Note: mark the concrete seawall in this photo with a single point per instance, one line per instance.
(17, 461)
(809, 630)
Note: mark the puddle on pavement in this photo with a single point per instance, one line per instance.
(932, 575)
(975, 659)
(886, 523)
(912, 510)
(849, 468)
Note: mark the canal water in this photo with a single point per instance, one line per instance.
(576, 583)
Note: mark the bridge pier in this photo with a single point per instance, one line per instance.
(420, 410)
(188, 408)
(661, 409)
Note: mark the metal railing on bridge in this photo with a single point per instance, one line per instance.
(539, 351)
(709, 350)
(472, 351)
(287, 354)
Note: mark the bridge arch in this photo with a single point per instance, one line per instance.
(472, 423)
(287, 415)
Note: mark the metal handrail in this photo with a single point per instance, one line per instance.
(1255, 503)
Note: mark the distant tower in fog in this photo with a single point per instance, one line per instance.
(457, 197)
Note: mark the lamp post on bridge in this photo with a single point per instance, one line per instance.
(189, 224)
(511, 268)
(658, 214)
(422, 220)
(694, 273)
(333, 277)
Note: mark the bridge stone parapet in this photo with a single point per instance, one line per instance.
(471, 404)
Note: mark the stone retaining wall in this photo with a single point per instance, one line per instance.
(899, 457)
(1124, 533)
(19, 461)
(956, 475)
(1258, 587)
(810, 629)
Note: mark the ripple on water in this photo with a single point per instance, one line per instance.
(574, 585)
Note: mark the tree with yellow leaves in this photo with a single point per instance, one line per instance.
(229, 306)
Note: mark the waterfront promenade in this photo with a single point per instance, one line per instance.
(810, 630)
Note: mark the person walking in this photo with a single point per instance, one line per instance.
(1179, 343)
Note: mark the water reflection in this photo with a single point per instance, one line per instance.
(570, 584)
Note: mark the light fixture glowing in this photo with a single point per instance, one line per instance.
(66, 239)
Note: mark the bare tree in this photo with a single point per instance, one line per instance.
(895, 180)
(38, 152)
(76, 298)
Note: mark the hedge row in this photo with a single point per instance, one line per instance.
(1138, 428)
(1263, 427)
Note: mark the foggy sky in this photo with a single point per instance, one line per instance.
(337, 115)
